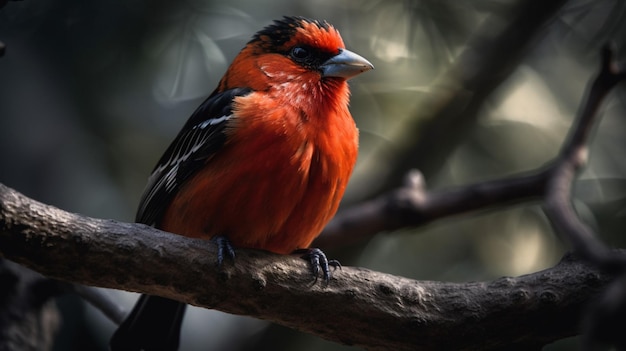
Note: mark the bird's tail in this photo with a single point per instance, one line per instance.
(153, 324)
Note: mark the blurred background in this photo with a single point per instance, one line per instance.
(92, 92)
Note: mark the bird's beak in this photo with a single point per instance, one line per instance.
(346, 65)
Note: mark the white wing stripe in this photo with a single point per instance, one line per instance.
(190, 143)
(212, 122)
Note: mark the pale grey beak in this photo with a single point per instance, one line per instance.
(346, 65)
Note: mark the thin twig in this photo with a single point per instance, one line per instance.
(573, 156)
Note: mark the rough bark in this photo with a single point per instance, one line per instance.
(374, 310)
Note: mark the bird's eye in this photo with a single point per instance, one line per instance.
(299, 53)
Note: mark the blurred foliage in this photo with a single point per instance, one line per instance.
(91, 93)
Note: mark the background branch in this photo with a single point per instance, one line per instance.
(412, 205)
(573, 156)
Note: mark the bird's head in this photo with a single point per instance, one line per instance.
(294, 51)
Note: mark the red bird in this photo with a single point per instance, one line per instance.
(262, 163)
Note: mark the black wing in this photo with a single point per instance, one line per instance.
(201, 136)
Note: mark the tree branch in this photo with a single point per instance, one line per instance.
(377, 311)
(412, 205)
(573, 156)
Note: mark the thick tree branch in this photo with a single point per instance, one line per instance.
(374, 310)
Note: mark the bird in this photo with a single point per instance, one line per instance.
(262, 163)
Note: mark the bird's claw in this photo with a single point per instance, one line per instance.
(224, 248)
(317, 259)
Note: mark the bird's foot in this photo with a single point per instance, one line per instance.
(317, 259)
(224, 249)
